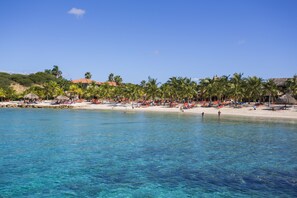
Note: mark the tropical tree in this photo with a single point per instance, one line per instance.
(222, 87)
(151, 88)
(52, 89)
(143, 83)
(271, 89)
(2, 94)
(172, 88)
(132, 91)
(74, 90)
(48, 71)
(63, 83)
(38, 90)
(88, 75)
(91, 91)
(208, 87)
(236, 86)
(253, 88)
(105, 91)
(291, 85)
(166, 91)
(118, 79)
(56, 71)
(111, 77)
(118, 92)
(11, 94)
(188, 89)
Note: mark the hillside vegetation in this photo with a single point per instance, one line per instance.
(50, 84)
(12, 84)
(39, 78)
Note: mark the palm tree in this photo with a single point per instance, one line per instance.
(202, 88)
(118, 92)
(208, 86)
(166, 92)
(132, 92)
(236, 86)
(75, 90)
(105, 91)
(151, 88)
(253, 88)
(271, 88)
(188, 89)
(52, 89)
(118, 79)
(222, 87)
(91, 91)
(291, 85)
(143, 83)
(173, 84)
(111, 77)
(88, 75)
(56, 71)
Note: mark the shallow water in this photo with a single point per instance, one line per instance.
(71, 153)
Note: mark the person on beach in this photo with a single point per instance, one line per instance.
(219, 113)
(181, 109)
(202, 114)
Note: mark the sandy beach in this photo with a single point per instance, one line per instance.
(261, 111)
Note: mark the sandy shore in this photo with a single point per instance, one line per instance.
(262, 111)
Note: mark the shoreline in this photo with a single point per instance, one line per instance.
(260, 112)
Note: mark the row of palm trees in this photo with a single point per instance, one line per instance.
(236, 87)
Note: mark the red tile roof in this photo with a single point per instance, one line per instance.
(89, 81)
(83, 81)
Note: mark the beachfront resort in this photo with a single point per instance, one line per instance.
(148, 99)
(234, 95)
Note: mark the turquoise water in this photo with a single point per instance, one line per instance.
(70, 153)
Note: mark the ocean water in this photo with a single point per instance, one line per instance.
(77, 153)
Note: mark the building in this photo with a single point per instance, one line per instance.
(85, 82)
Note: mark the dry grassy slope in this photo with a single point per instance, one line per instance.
(18, 88)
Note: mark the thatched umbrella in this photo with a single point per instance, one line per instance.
(287, 99)
(62, 98)
(31, 96)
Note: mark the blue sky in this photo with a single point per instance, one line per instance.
(157, 38)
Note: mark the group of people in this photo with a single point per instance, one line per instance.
(219, 113)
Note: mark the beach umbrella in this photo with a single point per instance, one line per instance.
(31, 96)
(287, 99)
(62, 98)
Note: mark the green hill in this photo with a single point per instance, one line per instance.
(39, 78)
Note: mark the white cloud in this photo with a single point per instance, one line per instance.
(77, 12)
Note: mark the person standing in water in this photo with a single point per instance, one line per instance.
(219, 113)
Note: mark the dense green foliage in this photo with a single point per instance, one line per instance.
(25, 80)
(88, 75)
(5, 80)
(37, 82)
(117, 79)
(50, 83)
